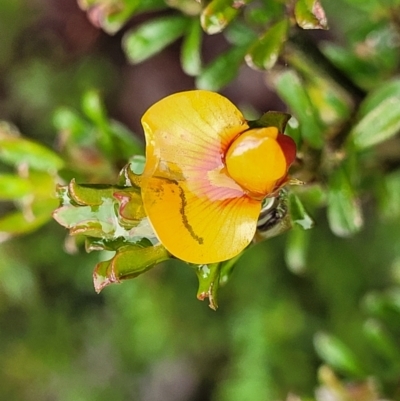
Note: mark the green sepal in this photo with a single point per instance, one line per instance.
(309, 14)
(209, 277)
(128, 262)
(106, 212)
(271, 119)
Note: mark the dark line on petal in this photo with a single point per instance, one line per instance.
(185, 220)
(182, 211)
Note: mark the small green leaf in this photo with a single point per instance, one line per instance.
(298, 213)
(14, 187)
(191, 49)
(388, 193)
(116, 19)
(126, 143)
(129, 262)
(292, 91)
(309, 14)
(17, 223)
(380, 124)
(265, 51)
(93, 107)
(222, 70)
(385, 90)
(208, 276)
(17, 151)
(385, 306)
(64, 119)
(240, 34)
(219, 13)
(296, 250)
(382, 341)
(337, 355)
(153, 36)
(344, 212)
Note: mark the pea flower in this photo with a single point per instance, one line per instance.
(207, 173)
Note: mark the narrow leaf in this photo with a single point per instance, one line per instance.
(337, 355)
(380, 124)
(191, 47)
(296, 250)
(151, 37)
(14, 187)
(344, 212)
(219, 13)
(222, 70)
(265, 51)
(18, 151)
(292, 91)
(309, 14)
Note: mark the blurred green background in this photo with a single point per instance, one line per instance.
(150, 339)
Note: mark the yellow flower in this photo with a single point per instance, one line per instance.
(207, 173)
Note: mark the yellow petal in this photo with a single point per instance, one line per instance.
(198, 212)
(195, 229)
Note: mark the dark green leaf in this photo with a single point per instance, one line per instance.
(309, 14)
(265, 51)
(222, 70)
(191, 49)
(153, 36)
(240, 34)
